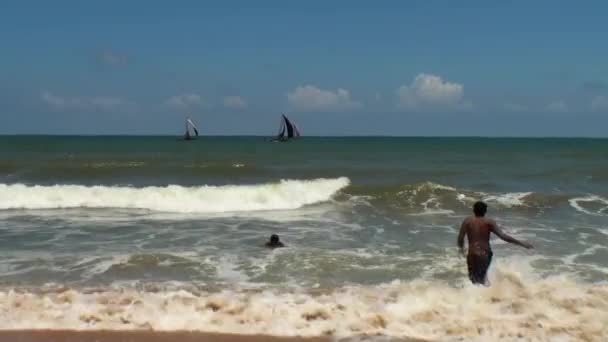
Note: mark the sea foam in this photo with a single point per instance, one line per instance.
(511, 199)
(284, 195)
(601, 202)
(512, 309)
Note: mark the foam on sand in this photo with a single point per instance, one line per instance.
(513, 308)
(284, 195)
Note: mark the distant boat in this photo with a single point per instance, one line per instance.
(287, 130)
(190, 126)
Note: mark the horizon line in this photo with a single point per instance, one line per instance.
(309, 136)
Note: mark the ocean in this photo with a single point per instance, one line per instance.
(128, 233)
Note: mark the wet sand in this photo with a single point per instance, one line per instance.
(148, 336)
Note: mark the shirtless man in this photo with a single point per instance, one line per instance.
(478, 228)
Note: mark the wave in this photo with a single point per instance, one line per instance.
(591, 205)
(425, 198)
(508, 200)
(284, 195)
(428, 198)
(513, 308)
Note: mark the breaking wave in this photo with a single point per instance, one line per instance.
(508, 200)
(428, 198)
(284, 195)
(513, 308)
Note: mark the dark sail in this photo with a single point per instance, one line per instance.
(289, 125)
(287, 130)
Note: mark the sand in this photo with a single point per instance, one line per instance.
(137, 336)
(148, 336)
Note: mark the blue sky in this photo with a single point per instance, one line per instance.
(508, 68)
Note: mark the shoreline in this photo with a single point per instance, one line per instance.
(51, 335)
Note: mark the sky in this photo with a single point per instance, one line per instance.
(402, 68)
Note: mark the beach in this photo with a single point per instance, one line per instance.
(137, 336)
(150, 336)
(154, 239)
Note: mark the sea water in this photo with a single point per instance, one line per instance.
(157, 233)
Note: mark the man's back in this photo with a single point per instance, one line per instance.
(477, 230)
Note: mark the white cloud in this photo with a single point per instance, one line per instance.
(235, 102)
(97, 103)
(557, 107)
(431, 92)
(516, 107)
(312, 98)
(599, 103)
(112, 58)
(184, 101)
(59, 102)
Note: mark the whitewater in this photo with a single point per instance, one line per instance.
(286, 194)
(515, 307)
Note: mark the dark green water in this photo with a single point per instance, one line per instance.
(576, 165)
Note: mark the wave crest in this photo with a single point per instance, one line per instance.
(434, 198)
(284, 195)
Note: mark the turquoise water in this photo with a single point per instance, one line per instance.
(136, 213)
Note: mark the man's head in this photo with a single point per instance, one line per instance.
(480, 208)
(274, 238)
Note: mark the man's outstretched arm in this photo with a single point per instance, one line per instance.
(505, 237)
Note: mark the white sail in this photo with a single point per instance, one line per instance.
(190, 124)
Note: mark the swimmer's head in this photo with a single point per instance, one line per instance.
(274, 238)
(480, 209)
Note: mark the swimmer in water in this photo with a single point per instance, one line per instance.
(274, 242)
(478, 228)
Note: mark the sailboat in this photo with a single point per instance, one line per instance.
(190, 126)
(287, 130)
